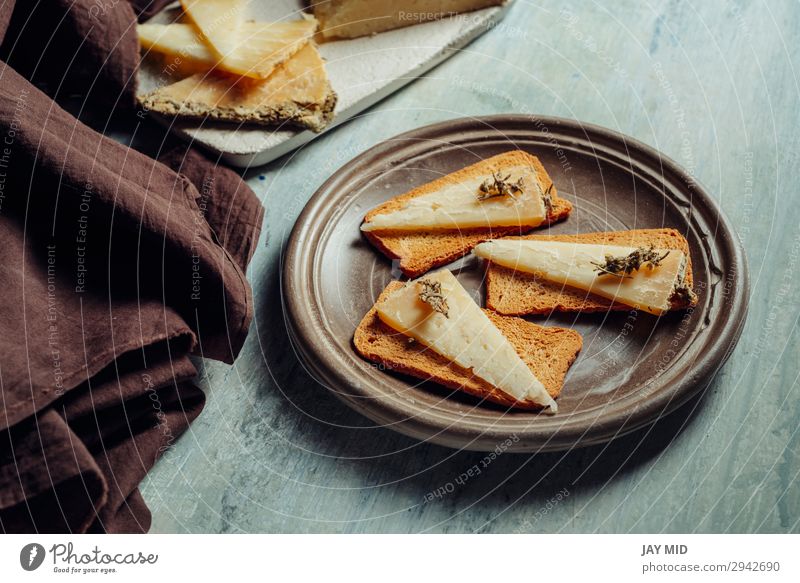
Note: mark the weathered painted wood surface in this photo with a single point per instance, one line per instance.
(713, 84)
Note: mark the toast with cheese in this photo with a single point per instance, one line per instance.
(420, 250)
(513, 292)
(547, 351)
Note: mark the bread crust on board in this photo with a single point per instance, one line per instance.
(548, 352)
(419, 252)
(513, 292)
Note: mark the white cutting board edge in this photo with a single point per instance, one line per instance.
(210, 136)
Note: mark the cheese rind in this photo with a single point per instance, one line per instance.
(573, 264)
(455, 205)
(262, 46)
(466, 336)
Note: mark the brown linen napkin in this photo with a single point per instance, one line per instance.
(113, 268)
(66, 47)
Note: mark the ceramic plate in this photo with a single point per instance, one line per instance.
(633, 368)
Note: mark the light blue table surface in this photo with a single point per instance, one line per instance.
(714, 85)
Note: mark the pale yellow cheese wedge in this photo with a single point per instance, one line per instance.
(298, 92)
(574, 264)
(261, 47)
(456, 206)
(465, 336)
(218, 21)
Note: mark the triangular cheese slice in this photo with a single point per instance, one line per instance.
(458, 205)
(298, 92)
(462, 333)
(219, 22)
(178, 40)
(262, 45)
(576, 265)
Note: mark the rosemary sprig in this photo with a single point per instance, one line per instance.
(431, 294)
(624, 266)
(683, 295)
(499, 185)
(547, 198)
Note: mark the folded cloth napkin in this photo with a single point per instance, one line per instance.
(114, 267)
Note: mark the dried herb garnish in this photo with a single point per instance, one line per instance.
(499, 185)
(431, 294)
(547, 199)
(624, 266)
(682, 296)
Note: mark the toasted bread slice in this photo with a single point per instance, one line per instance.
(297, 92)
(512, 292)
(421, 251)
(548, 352)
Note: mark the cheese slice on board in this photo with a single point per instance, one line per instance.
(574, 265)
(456, 205)
(465, 335)
(262, 46)
(298, 92)
(354, 18)
(178, 40)
(218, 22)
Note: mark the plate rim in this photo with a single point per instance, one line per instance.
(296, 291)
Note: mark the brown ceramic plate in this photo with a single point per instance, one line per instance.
(633, 368)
